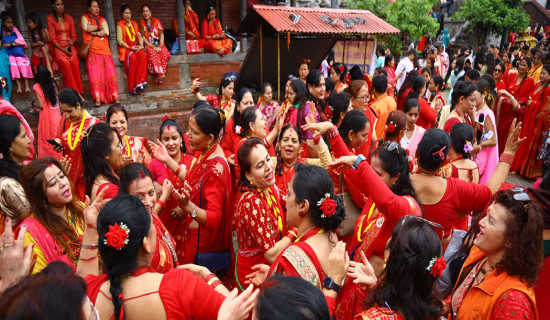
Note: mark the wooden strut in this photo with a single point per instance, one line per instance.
(365, 56)
(261, 54)
(278, 68)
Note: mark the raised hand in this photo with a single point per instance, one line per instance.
(318, 128)
(344, 162)
(338, 260)
(15, 259)
(258, 276)
(66, 163)
(363, 273)
(238, 307)
(159, 151)
(91, 210)
(514, 141)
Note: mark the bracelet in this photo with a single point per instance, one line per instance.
(212, 280)
(507, 158)
(177, 172)
(161, 204)
(209, 277)
(317, 140)
(88, 259)
(89, 246)
(291, 235)
(215, 284)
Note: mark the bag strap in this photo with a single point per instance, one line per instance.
(341, 183)
(200, 205)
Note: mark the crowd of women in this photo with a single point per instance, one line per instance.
(351, 198)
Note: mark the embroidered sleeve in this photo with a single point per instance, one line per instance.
(511, 305)
(255, 227)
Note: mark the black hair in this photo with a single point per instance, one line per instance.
(438, 81)
(300, 89)
(283, 297)
(480, 57)
(380, 51)
(90, 3)
(71, 97)
(243, 159)
(209, 8)
(473, 74)
(240, 95)
(459, 64)
(406, 283)
(388, 59)
(462, 89)
(338, 103)
(172, 123)
(114, 108)
(10, 128)
(95, 145)
(248, 117)
(380, 83)
(407, 84)
(314, 79)
(397, 162)
(131, 172)
(355, 120)
(484, 86)
(44, 78)
(341, 74)
(460, 134)
(264, 87)
(355, 73)
(312, 183)
(201, 103)
(448, 74)
(224, 83)
(433, 141)
(123, 8)
(412, 53)
(546, 67)
(33, 16)
(417, 84)
(211, 120)
(53, 13)
(410, 104)
(329, 84)
(145, 5)
(382, 71)
(126, 211)
(490, 62)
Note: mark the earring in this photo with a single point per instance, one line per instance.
(251, 183)
(301, 214)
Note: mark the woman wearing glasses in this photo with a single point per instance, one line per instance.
(359, 93)
(498, 277)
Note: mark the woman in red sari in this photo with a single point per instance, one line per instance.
(260, 220)
(512, 102)
(231, 137)
(136, 180)
(63, 38)
(70, 132)
(213, 33)
(531, 166)
(203, 224)
(100, 64)
(223, 100)
(130, 51)
(389, 66)
(153, 38)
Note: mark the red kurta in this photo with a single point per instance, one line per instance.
(197, 301)
(427, 116)
(211, 45)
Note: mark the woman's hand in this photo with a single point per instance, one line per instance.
(167, 188)
(338, 262)
(158, 49)
(15, 259)
(319, 128)
(196, 269)
(126, 159)
(238, 307)
(344, 162)
(66, 51)
(231, 159)
(66, 164)
(91, 210)
(182, 198)
(159, 151)
(363, 273)
(258, 276)
(514, 141)
(476, 148)
(55, 148)
(195, 84)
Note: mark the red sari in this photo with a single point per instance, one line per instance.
(259, 227)
(505, 114)
(531, 167)
(156, 62)
(197, 301)
(68, 65)
(391, 81)
(70, 140)
(210, 181)
(135, 63)
(133, 145)
(212, 45)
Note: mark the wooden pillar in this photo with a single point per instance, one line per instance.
(181, 26)
(21, 21)
(110, 17)
(334, 4)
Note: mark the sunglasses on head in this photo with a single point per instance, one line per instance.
(520, 194)
(432, 224)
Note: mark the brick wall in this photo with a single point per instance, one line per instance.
(212, 72)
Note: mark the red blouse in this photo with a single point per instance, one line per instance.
(427, 116)
(230, 138)
(197, 301)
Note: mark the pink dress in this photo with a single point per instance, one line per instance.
(48, 122)
(487, 158)
(412, 143)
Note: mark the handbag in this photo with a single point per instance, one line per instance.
(216, 262)
(352, 210)
(83, 51)
(192, 46)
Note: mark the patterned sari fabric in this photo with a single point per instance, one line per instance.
(532, 166)
(299, 260)
(157, 62)
(379, 313)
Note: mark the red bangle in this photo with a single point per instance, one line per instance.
(215, 284)
(209, 277)
(506, 157)
(317, 139)
(177, 172)
(161, 204)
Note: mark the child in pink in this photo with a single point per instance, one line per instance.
(14, 44)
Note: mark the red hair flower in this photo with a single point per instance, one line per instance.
(390, 127)
(117, 237)
(327, 205)
(341, 68)
(436, 266)
(166, 117)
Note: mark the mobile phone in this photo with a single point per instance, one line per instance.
(54, 143)
(69, 49)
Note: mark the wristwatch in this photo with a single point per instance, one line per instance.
(194, 212)
(330, 284)
(360, 158)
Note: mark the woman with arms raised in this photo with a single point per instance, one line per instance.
(71, 130)
(224, 97)
(134, 148)
(102, 155)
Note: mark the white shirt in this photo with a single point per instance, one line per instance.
(405, 66)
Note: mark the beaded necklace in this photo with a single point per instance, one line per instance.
(73, 143)
(131, 36)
